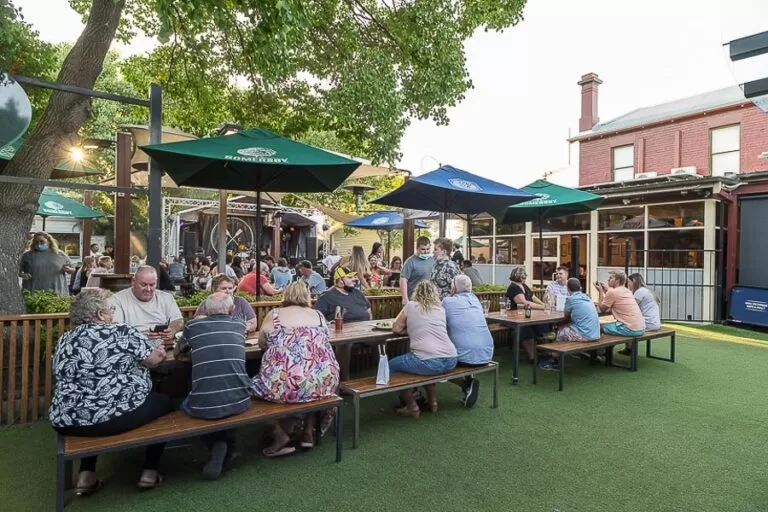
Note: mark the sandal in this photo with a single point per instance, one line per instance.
(271, 453)
(87, 490)
(407, 412)
(150, 484)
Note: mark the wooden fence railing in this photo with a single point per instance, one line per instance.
(28, 342)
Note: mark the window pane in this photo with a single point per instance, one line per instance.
(549, 268)
(612, 247)
(481, 250)
(676, 249)
(510, 250)
(676, 215)
(69, 243)
(725, 139)
(621, 218)
(510, 229)
(481, 227)
(549, 245)
(623, 156)
(726, 162)
(625, 174)
(577, 222)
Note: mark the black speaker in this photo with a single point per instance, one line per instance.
(189, 244)
(312, 249)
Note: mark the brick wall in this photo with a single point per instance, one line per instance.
(680, 143)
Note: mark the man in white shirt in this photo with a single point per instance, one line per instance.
(559, 287)
(152, 311)
(331, 260)
(95, 250)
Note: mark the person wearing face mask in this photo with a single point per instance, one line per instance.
(44, 267)
(417, 268)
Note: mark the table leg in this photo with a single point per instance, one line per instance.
(516, 356)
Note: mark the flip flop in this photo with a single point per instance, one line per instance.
(285, 450)
(149, 484)
(87, 490)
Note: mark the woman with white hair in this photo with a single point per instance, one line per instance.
(102, 381)
(469, 333)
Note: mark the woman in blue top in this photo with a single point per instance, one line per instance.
(281, 274)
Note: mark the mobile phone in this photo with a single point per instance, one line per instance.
(159, 328)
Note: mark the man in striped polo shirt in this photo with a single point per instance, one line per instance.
(220, 384)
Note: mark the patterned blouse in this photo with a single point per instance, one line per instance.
(442, 275)
(98, 374)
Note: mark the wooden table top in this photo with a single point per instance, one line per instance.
(517, 317)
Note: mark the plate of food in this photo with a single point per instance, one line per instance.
(385, 325)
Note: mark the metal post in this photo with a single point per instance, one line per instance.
(575, 256)
(154, 240)
(122, 223)
(469, 239)
(720, 255)
(221, 244)
(626, 256)
(258, 243)
(87, 227)
(442, 227)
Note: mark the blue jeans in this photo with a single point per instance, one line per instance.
(409, 363)
(619, 329)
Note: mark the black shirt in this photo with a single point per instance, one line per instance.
(354, 304)
(457, 257)
(516, 289)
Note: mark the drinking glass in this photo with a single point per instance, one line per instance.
(486, 306)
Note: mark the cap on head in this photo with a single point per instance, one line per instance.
(342, 272)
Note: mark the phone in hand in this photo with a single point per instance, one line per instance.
(160, 328)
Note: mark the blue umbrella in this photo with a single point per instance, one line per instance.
(452, 190)
(385, 221)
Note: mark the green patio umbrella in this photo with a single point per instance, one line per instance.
(473, 242)
(51, 204)
(256, 160)
(551, 201)
(63, 170)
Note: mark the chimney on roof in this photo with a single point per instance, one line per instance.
(589, 84)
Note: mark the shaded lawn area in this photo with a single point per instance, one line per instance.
(671, 437)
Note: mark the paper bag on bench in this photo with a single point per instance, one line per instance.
(382, 375)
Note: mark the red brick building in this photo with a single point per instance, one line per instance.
(675, 177)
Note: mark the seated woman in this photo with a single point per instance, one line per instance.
(281, 274)
(432, 353)
(225, 284)
(519, 293)
(298, 364)
(102, 383)
(248, 282)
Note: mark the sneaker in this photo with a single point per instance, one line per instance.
(550, 365)
(624, 352)
(471, 393)
(212, 468)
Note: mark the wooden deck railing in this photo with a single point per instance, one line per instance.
(28, 342)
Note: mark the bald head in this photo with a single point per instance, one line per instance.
(219, 303)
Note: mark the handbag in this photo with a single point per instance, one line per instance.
(382, 375)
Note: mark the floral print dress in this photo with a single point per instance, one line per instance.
(298, 366)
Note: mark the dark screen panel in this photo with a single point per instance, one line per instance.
(753, 243)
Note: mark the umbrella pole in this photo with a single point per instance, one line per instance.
(541, 254)
(44, 217)
(389, 241)
(258, 244)
(222, 242)
(469, 237)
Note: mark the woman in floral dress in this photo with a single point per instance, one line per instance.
(298, 364)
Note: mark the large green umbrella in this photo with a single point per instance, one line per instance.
(474, 243)
(51, 204)
(63, 170)
(255, 159)
(551, 201)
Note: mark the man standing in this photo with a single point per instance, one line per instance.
(471, 272)
(617, 299)
(95, 250)
(314, 281)
(457, 257)
(445, 269)
(148, 309)
(417, 268)
(331, 260)
(581, 321)
(220, 384)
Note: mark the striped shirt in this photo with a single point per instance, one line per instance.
(220, 384)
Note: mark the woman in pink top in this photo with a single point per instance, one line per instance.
(617, 299)
(432, 353)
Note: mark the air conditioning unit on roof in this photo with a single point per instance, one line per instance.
(646, 175)
(691, 170)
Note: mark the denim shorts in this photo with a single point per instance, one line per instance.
(409, 363)
(619, 329)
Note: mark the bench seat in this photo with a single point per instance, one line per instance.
(178, 425)
(365, 387)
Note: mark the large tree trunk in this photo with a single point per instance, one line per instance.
(53, 135)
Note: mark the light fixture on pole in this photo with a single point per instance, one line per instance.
(358, 189)
(228, 128)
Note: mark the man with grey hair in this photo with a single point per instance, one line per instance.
(331, 260)
(469, 332)
(220, 384)
(152, 311)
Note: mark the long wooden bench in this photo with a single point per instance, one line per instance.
(365, 387)
(565, 348)
(178, 425)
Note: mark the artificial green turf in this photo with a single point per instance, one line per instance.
(756, 333)
(689, 436)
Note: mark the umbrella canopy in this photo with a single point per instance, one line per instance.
(256, 159)
(473, 242)
(51, 204)
(452, 190)
(63, 170)
(551, 201)
(383, 220)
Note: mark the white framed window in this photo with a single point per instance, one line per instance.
(724, 144)
(623, 163)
